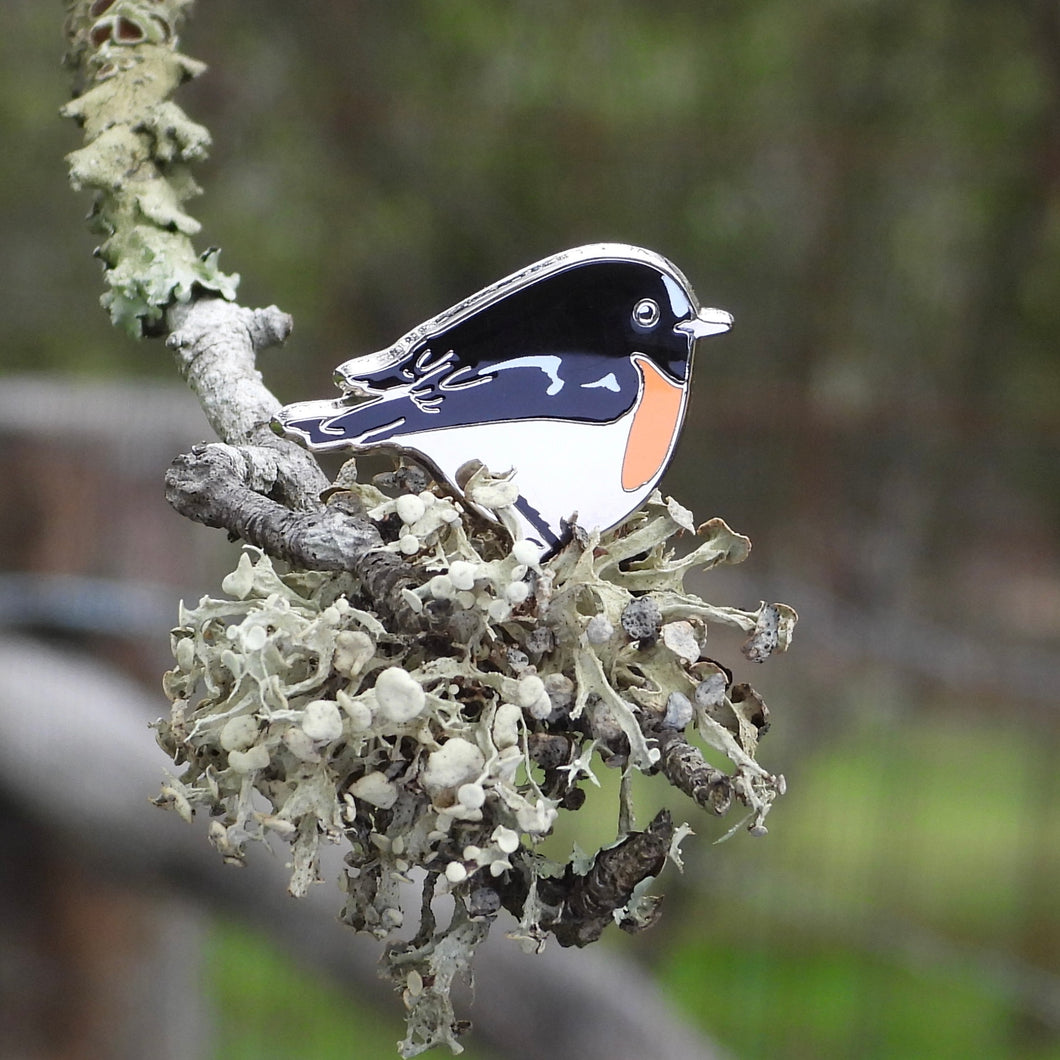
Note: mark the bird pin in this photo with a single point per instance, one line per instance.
(574, 372)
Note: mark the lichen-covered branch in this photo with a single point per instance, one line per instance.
(219, 485)
(139, 146)
(684, 766)
(214, 344)
(578, 906)
(222, 486)
(138, 149)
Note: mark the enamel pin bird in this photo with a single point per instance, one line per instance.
(574, 372)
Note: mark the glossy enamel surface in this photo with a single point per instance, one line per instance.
(598, 338)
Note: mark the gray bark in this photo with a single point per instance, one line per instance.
(261, 488)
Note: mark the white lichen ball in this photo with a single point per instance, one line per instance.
(400, 696)
(506, 725)
(353, 649)
(526, 552)
(441, 587)
(471, 796)
(516, 593)
(455, 872)
(410, 508)
(359, 713)
(533, 697)
(456, 762)
(506, 839)
(300, 744)
(374, 788)
(462, 574)
(238, 734)
(531, 689)
(249, 761)
(322, 721)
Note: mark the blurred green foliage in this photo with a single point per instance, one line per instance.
(264, 1009)
(884, 918)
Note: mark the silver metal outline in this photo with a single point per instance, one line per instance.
(651, 311)
(705, 323)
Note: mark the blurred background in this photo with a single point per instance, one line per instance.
(873, 190)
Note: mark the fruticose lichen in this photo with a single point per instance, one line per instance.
(443, 758)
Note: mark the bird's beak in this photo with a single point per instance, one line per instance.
(706, 322)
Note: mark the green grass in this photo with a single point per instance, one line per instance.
(266, 1008)
(795, 1000)
(904, 905)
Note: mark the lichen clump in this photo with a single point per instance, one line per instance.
(443, 757)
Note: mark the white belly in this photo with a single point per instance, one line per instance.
(562, 467)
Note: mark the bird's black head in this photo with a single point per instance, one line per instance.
(586, 306)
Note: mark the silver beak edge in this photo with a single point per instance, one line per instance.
(706, 322)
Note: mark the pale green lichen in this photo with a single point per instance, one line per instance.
(138, 147)
(422, 754)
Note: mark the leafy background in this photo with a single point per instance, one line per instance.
(873, 189)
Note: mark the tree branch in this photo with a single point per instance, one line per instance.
(221, 486)
(684, 766)
(214, 344)
(138, 147)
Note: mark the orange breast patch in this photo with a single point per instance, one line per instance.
(654, 426)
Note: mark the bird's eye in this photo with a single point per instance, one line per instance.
(646, 313)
